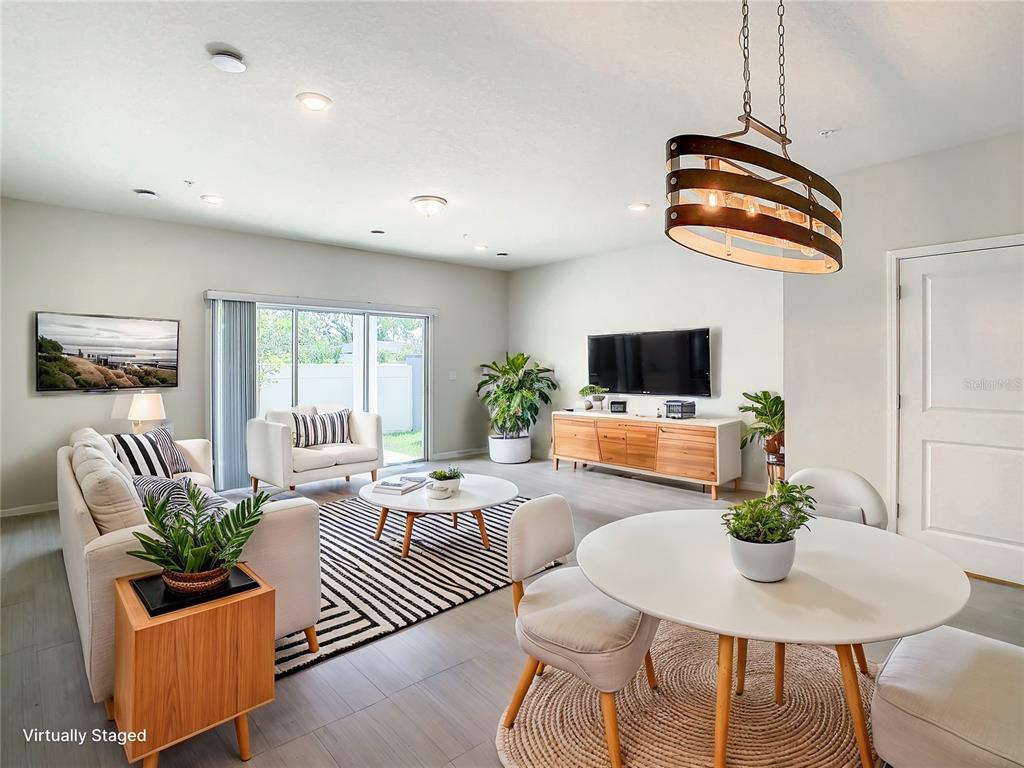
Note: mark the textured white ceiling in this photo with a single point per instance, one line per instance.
(538, 121)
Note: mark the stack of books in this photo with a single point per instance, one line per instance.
(400, 486)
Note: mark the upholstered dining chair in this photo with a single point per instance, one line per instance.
(565, 622)
(842, 495)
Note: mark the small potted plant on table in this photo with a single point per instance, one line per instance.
(596, 395)
(450, 478)
(513, 392)
(761, 531)
(199, 544)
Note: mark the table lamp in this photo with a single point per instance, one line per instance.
(146, 406)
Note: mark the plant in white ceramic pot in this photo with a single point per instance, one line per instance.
(761, 531)
(595, 393)
(513, 392)
(450, 478)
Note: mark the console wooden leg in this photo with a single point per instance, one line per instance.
(409, 519)
(521, 688)
(741, 664)
(373, 475)
(780, 670)
(611, 729)
(151, 761)
(852, 689)
(255, 485)
(714, 492)
(348, 478)
(380, 523)
(483, 528)
(723, 696)
(291, 487)
(574, 466)
(242, 732)
(736, 484)
(554, 462)
(314, 644)
(862, 660)
(108, 705)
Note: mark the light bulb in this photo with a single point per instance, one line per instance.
(713, 199)
(750, 206)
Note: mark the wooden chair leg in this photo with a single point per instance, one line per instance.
(108, 705)
(521, 688)
(255, 485)
(611, 728)
(862, 660)
(242, 733)
(314, 644)
(409, 519)
(455, 520)
(652, 680)
(151, 761)
(380, 523)
(723, 697)
(741, 664)
(540, 668)
(373, 475)
(780, 671)
(483, 528)
(852, 689)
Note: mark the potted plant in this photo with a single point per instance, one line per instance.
(595, 393)
(449, 478)
(761, 531)
(768, 427)
(513, 392)
(199, 544)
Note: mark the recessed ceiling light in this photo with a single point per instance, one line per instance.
(638, 207)
(315, 102)
(228, 61)
(212, 199)
(501, 255)
(479, 247)
(828, 132)
(428, 205)
(149, 194)
(376, 231)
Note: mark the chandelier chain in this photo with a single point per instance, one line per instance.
(745, 47)
(782, 70)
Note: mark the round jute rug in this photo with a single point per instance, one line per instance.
(560, 725)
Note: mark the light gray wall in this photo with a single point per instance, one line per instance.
(835, 326)
(68, 260)
(553, 308)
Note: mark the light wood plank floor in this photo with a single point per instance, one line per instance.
(427, 697)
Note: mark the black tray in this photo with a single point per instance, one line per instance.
(158, 599)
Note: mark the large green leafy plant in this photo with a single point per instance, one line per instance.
(771, 519)
(199, 537)
(769, 411)
(513, 392)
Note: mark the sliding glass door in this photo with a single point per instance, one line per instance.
(356, 360)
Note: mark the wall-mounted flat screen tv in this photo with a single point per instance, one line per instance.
(85, 353)
(655, 363)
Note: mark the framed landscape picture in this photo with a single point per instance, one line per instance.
(86, 353)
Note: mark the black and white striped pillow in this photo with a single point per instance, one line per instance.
(159, 487)
(173, 457)
(140, 454)
(321, 428)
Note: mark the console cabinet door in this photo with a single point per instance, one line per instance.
(687, 452)
(576, 439)
(612, 440)
(641, 446)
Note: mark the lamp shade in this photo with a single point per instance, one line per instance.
(147, 406)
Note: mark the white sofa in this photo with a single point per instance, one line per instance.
(274, 459)
(284, 550)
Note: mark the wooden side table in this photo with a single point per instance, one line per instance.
(184, 672)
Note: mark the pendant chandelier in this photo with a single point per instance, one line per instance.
(741, 203)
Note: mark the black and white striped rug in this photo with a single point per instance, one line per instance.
(368, 590)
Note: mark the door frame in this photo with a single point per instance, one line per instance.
(892, 319)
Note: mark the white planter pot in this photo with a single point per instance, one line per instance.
(763, 562)
(452, 485)
(513, 450)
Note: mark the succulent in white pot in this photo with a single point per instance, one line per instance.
(450, 478)
(513, 392)
(596, 395)
(762, 531)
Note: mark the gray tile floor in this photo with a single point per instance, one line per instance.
(427, 697)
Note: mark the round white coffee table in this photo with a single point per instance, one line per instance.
(851, 584)
(476, 492)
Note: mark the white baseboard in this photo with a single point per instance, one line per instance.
(29, 509)
(458, 454)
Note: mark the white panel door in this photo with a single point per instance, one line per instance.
(961, 481)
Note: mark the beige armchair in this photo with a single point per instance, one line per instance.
(284, 550)
(565, 622)
(273, 458)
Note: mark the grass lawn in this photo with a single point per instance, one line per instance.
(407, 443)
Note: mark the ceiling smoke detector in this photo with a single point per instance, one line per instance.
(428, 205)
(228, 61)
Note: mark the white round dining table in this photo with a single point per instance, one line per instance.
(850, 584)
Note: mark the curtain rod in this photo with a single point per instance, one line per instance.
(302, 301)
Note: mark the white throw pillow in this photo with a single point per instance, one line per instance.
(90, 436)
(111, 497)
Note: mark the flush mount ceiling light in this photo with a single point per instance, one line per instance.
(228, 61)
(428, 205)
(480, 247)
(148, 194)
(737, 202)
(638, 207)
(314, 102)
(212, 199)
